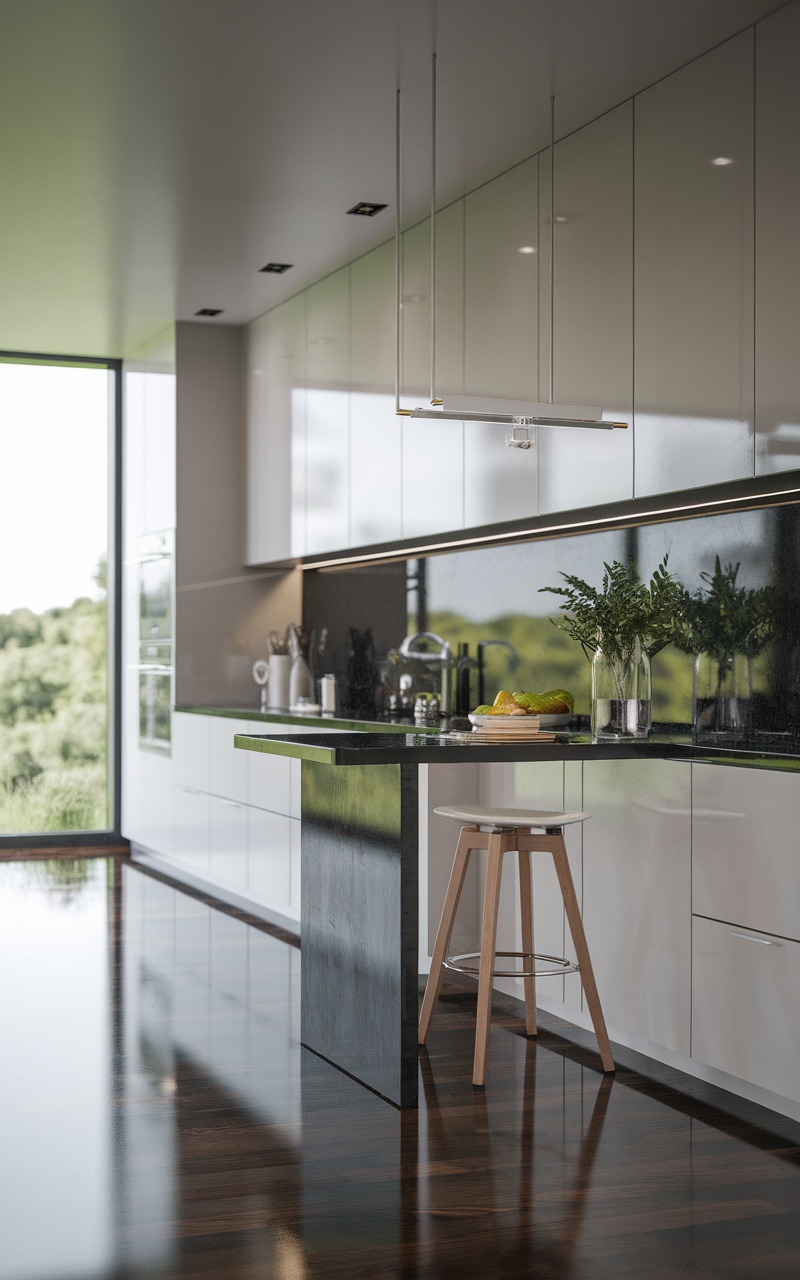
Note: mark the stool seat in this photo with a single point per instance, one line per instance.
(487, 816)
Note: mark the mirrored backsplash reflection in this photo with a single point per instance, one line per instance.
(490, 600)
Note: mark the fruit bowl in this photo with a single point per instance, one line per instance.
(505, 722)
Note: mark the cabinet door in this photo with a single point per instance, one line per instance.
(501, 339)
(637, 895)
(746, 1005)
(191, 738)
(192, 818)
(777, 243)
(375, 431)
(269, 779)
(745, 867)
(693, 195)
(228, 767)
(159, 831)
(269, 857)
(276, 425)
(592, 313)
(328, 413)
(228, 842)
(433, 452)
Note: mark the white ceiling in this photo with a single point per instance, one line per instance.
(154, 154)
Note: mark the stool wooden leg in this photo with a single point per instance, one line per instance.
(526, 921)
(582, 951)
(491, 904)
(445, 929)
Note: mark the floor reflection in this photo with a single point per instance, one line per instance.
(160, 1118)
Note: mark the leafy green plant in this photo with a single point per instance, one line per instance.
(722, 619)
(625, 610)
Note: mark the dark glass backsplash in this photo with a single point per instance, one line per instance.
(488, 595)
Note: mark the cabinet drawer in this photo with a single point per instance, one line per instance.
(228, 767)
(746, 1005)
(744, 847)
(228, 842)
(269, 857)
(190, 750)
(191, 828)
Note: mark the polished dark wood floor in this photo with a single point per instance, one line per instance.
(159, 1118)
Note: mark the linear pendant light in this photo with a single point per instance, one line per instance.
(520, 415)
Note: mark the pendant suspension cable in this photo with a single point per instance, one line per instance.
(433, 229)
(398, 263)
(552, 232)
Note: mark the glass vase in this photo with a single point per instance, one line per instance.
(721, 697)
(621, 694)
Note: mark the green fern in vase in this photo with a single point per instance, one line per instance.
(625, 610)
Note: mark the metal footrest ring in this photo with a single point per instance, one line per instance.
(559, 965)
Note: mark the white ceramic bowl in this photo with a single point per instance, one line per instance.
(545, 722)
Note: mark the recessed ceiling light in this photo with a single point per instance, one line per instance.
(209, 311)
(415, 298)
(277, 268)
(367, 208)
(722, 161)
(528, 248)
(321, 342)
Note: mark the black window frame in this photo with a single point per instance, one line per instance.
(111, 836)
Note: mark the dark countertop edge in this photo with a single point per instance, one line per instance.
(328, 721)
(369, 751)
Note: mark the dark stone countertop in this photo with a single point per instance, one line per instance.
(349, 748)
(342, 720)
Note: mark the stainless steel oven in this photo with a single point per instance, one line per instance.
(155, 667)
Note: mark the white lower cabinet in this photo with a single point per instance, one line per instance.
(744, 847)
(190, 749)
(269, 857)
(228, 842)
(637, 895)
(227, 773)
(191, 830)
(746, 1005)
(157, 772)
(269, 780)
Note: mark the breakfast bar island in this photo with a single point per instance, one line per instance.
(359, 869)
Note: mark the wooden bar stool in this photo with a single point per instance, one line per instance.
(498, 831)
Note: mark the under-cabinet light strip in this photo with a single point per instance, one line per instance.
(781, 497)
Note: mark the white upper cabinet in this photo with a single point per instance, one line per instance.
(375, 430)
(693, 305)
(275, 409)
(593, 312)
(328, 413)
(433, 452)
(777, 242)
(501, 338)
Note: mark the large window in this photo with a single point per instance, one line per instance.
(57, 438)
